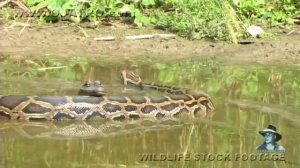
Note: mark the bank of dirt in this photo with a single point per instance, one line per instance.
(68, 40)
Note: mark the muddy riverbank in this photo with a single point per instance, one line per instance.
(68, 40)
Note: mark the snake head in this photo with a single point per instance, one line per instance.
(92, 88)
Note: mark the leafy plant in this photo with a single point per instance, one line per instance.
(268, 11)
(194, 19)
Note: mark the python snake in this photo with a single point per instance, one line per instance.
(180, 103)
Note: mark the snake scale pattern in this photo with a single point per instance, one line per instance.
(178, 105)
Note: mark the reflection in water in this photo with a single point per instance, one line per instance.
(283, 113)
(86, 129)
(123, 148)
(233, 128)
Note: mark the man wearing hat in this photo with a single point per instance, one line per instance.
(270, 139)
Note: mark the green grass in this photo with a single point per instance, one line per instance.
(194, 19)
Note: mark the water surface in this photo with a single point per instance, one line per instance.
(247, 97)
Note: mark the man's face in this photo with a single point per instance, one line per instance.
(269, 137)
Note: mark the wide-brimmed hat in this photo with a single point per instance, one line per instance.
(272, 129)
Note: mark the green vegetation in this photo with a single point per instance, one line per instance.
(195, 19)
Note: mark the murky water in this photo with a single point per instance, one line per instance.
(248, 98)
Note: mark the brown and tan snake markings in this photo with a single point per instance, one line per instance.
(179, 102)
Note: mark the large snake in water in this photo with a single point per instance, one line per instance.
(179, 103)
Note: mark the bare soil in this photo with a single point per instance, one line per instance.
(68, 40)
